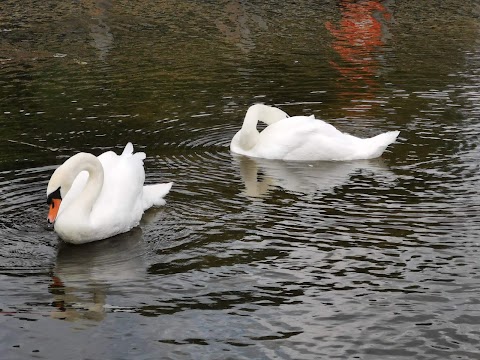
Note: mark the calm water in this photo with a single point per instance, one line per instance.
(248, 259)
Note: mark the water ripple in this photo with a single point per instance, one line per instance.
(248, 258)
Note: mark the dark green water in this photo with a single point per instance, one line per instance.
(248, 259)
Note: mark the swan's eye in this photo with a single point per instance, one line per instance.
(54, 195)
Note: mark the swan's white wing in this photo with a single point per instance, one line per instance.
(120, 201)
(320, 146)
(306, 138)
(281, 137)
(301, 137)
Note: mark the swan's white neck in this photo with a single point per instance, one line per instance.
(249, 134)
(83, 203)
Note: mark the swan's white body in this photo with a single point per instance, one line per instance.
(102, 196)
(302, 138)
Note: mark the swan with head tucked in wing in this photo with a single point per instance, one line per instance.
(93, 198)
(302, 138)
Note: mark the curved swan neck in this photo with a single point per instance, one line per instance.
(269, 115)
(71, 168)
(94, 184)
(249, 133)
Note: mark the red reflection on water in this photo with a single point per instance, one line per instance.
(358, 35)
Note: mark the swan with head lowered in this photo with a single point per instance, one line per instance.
(302, 138)
(93, 198)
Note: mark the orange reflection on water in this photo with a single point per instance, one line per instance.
(357, 37)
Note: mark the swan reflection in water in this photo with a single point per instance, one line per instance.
(261, 175)
(84, 273)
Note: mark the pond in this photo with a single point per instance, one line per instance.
(248, 259)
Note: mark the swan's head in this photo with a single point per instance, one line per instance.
(60, 183)
(57, 188)
(54, 199)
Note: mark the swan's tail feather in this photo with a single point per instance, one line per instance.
(379, 143)
(141, 155)
(129, 151)
(153, 195)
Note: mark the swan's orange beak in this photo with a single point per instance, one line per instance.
(54, 206)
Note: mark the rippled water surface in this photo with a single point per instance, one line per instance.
(248, 259)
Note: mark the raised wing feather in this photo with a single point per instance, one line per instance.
(121, 195)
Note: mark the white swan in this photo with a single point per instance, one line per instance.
(302, 138)
(93, 198)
